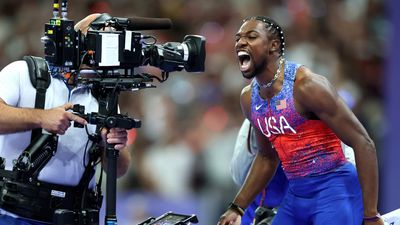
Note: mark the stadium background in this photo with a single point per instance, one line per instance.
(182, 151)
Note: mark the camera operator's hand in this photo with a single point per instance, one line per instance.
(117, 136)
(58, 120)
(230, 217)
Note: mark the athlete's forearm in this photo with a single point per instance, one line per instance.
(14, 120)
(367, 169)
(261, 172)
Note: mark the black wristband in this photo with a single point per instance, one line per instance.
(236, 208)
(372, 218)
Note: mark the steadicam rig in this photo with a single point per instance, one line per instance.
(110, 51)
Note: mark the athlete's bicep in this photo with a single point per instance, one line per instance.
(318, 96)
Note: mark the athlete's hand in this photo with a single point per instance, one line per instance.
(58, 120)
(230, 217)
(117, 136)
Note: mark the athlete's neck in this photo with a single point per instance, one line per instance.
(267, 79)
(273, 87)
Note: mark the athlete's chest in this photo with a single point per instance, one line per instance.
(275, 116)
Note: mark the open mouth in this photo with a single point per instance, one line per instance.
(244, 60)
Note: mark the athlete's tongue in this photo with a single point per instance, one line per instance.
(244, 60)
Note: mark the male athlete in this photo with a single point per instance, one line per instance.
(300, 120)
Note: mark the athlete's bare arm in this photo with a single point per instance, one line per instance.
(261, 171)
(314, 94)
(265, 162)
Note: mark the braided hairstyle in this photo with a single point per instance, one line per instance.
(273, 28)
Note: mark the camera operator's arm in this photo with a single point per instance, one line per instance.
(56, 120)
(119, 137)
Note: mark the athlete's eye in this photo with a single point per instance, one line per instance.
(252, 37)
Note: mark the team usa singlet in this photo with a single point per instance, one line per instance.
(323, 186)
(305, 147)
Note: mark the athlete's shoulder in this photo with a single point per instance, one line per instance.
(303, 73)
(245, 99)
(245, 95)
(312, 90)
(306, 79)
(246, 90)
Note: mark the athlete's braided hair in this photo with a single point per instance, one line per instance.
(274, 29)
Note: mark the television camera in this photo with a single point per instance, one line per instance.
(113, 42)
(113, 47)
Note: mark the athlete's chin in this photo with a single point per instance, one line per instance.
(248, 75)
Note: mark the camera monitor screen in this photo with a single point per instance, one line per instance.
(173, 219)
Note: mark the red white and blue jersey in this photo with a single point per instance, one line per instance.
(305, 147)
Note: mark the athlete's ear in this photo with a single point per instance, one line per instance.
(274, 46)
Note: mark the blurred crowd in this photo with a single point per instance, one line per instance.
(189, 123)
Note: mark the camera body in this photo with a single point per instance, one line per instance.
(115, 43)
(60, 43)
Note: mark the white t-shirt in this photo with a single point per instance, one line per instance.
(242, 158)
(67, 166)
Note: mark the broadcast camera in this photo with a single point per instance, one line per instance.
(114, 43)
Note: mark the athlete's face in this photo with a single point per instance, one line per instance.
(252, 48)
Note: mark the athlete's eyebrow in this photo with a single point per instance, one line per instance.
(247, 32)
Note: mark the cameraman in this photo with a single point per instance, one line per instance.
(18, 117)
